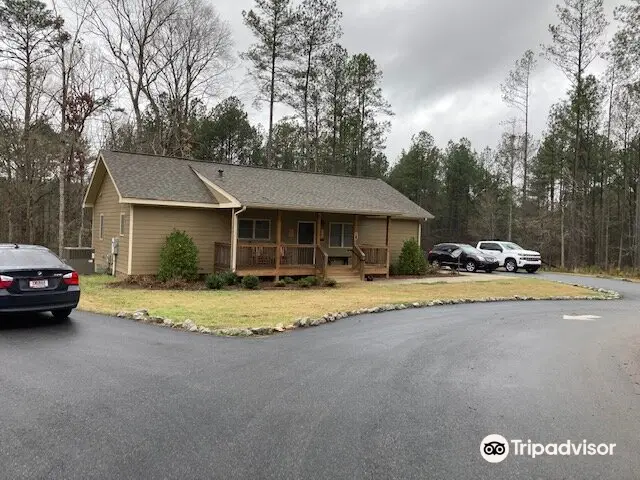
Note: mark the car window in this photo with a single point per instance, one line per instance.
(27, 258)
(512, 246)
(469, 249)
(490, 246)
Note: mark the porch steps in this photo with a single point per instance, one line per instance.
(343, 273)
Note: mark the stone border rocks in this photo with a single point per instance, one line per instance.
(188, 325)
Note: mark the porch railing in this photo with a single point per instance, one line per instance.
(256, 255)
(322, 261)
(358, 260)
(374, 255)
(221, 256)
(293, 255)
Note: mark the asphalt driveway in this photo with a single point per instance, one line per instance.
(406, 394)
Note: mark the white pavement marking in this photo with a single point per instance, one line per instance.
(588, 318)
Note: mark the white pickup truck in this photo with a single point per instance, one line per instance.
(511, 256)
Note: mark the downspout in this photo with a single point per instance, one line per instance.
(234, 236)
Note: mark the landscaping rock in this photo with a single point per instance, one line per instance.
(302, 322)
(189, 324)
(140, 314)
(279, 328)
(290, 327)
(262, 330)
(122, 315)
(204, 330)
(315, 322)
(167, 322)
(193, 328)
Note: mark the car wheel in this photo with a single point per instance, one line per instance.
(436, 264)
(61, 314)
(510, 265)
(470, 266)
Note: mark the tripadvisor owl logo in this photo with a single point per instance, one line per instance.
(494, 448)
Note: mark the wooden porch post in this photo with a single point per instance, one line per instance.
(354, 242)
(315, 252)
(278, 243)
(387, 244)
(355, 230)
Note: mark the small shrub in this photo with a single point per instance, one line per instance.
(304, 283)
(250, 282)
(214, 282)
(431, 270)
(178, 258)
(230, 278)
(288, 280)
(313, 281)
(329, 282)
(412, 261)
(393, 269)
(280, 284)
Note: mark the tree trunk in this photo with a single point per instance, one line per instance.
(61, 212)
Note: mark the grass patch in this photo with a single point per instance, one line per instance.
(242, 308)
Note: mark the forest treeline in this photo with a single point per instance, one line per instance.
(149, 73)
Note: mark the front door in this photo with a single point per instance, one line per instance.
(306, 233)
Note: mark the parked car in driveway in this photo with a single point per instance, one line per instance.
(461, 255)
(512, 256)
(34, 279)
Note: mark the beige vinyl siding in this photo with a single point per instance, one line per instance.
(151, 225)
(107, 204)
(372, 231)
(399, 232)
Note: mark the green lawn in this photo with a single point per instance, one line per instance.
(242, 308)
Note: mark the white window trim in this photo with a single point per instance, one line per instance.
(122, 218)
(298, 232)
(253, 230)
(341, 236)
(101, 227)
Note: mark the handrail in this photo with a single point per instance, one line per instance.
(325, 262)
(361, 260)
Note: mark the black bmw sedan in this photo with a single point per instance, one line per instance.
(460, 255)
(33, 279)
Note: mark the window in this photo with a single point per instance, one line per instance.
(341, 235)
(29, 258)
(101, 226)
(249, 229)
(490, 246)
(122, 222)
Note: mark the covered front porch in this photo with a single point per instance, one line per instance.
(281, 243)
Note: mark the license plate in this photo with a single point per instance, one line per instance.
(38, 283)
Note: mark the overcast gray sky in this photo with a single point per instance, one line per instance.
(442, 60)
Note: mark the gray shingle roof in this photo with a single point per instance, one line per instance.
(171, 179)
